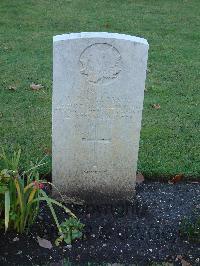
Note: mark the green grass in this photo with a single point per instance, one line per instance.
(170, 136)
(189, 227)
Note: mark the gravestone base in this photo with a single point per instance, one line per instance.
(96, 194)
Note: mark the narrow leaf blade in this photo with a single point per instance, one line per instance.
(7, 209)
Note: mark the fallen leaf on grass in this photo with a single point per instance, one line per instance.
(44, 243)
(1, 114)
(156, 106)
(176, 179)
(12, 88)
(139, 178)
(36, 87)
(47, 151)
(107, 25)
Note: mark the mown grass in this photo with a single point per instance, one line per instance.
(170, 136)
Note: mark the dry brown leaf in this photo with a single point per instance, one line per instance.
(139, 178)
(178, 257)
(36, 87)
(185, 263)
(156, 106)
(107, 25)
(44, 243)
(47, 151)
(176, 179)
(12, 88)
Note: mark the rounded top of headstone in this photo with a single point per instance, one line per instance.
(102, 35)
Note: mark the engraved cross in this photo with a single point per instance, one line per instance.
(96, 140)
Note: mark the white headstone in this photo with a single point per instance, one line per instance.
(98, 91)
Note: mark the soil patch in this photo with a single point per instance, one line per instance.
(140, 233)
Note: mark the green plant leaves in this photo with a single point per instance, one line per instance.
(71, 229)
(20, 196)
(76, 234)
(7, 209)
(11, 163)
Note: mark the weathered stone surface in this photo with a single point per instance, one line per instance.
(98, 91)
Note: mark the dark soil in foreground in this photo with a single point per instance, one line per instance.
(140, 234)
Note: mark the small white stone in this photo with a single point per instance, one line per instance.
(19, 252)
(15, 239)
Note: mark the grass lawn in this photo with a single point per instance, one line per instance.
(170, 137)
